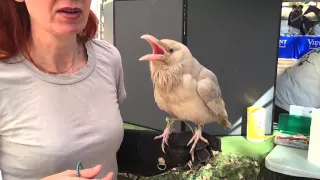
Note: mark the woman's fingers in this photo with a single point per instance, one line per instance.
(109, 176)
(85, 173)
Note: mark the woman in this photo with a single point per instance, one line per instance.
(59, 92)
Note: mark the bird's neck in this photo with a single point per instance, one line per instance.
(165, 77)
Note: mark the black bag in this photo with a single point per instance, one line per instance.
(141, 155)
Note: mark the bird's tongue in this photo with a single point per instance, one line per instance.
(158, 50)
(152, 57)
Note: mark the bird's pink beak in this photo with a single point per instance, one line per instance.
(158, 51)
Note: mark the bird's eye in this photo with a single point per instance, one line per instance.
(171, 50)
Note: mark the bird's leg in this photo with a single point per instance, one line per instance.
(166, 133)
(197, 135)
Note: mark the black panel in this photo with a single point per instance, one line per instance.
(161, 18)
(238, 41)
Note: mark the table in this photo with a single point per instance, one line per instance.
(292, 162)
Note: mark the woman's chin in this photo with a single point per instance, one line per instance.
(69, 31)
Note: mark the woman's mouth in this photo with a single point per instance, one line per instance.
(70, 13)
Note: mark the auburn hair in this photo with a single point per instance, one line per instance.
(15, 28)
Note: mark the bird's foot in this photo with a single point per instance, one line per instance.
(197, 135)
(165, 136)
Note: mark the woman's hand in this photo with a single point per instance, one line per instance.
(85, 174)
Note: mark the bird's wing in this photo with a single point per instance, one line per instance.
(210, 92)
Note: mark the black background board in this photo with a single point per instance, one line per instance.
(160, 18)
(238, 41)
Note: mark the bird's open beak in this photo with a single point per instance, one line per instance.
(158, 50)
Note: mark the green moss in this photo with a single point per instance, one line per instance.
(131, 126)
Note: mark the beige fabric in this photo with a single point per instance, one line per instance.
(48, 123)
(283, 64)
(299, 84)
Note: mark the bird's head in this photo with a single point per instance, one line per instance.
(166, 51)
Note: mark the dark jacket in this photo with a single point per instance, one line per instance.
(295, 23)
(289, 21)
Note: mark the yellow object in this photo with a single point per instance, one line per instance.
(256, 118)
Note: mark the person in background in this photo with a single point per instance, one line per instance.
(302, 26)
(300, 8)
(295, 19)
(293, 8)
(299, 85)
(316, 29)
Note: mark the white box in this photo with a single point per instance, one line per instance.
(300, 111)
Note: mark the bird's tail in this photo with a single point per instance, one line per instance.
(223, 115)
(224, 123)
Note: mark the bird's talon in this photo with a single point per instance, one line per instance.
(191, 140)
(195, 138)
(162, 146)
(204, 140)
(192, 156)
(192, 148)
(158, 137)
(165, 136)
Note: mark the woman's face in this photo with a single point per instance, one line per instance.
(58, 17)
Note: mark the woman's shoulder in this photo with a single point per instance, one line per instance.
(12, 73)
(11, 64)
(105, 51)
(16, 58)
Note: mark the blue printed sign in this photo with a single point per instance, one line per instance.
(287, 46)
(307, 44)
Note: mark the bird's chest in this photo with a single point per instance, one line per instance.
(171, 98)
